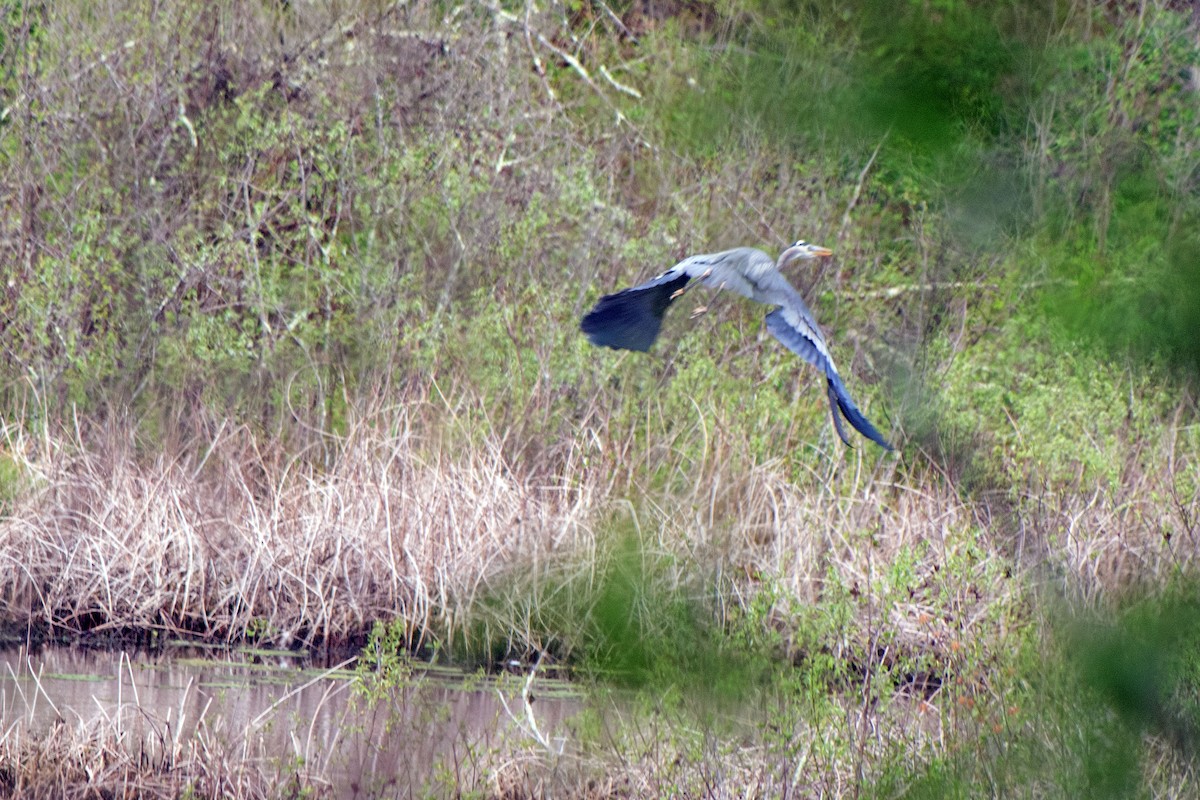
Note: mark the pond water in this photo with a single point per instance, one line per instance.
(275, 707)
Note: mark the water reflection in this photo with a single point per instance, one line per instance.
(314, 723)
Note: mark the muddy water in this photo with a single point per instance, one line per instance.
(275, 709)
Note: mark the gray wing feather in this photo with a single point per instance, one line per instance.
(791, 327)
(786, 325)
(774, 289)
(731, 270)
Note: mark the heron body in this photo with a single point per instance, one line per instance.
(631, 319)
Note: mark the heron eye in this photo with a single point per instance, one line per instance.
(800, 243)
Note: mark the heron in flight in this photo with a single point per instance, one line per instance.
(630, 319)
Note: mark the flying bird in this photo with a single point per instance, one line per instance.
(631, 319)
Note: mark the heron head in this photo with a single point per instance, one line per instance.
(803, 249)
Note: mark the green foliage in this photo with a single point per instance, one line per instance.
(1121, 241)
(635, 622)
(13, 481)
(1050, 402)
(939, 89)
(385, 665)
(945, 68)
(274, 227)
(1141, 296)
(1145, 666)
(1111, 704)
(276, 265)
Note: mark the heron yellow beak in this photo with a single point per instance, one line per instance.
(821, 251)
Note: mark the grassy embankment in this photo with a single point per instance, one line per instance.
(289, 348)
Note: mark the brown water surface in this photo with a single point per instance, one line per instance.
(275, 708)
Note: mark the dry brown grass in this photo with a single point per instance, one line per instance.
(399, 519)
(234, 539)
(134, 753)
(409, 517)
(1098, 542)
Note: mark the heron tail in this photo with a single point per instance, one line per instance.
(840, 405)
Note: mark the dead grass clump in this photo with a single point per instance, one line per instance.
(94, 759)
(906, 571)
(233, 541)
(1137, 534)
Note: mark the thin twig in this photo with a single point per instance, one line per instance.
(862, 179)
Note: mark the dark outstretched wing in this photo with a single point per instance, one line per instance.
(630, 319)
(805, 341)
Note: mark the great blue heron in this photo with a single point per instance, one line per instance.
(630, 319)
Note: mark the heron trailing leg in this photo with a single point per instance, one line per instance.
(680, 292)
